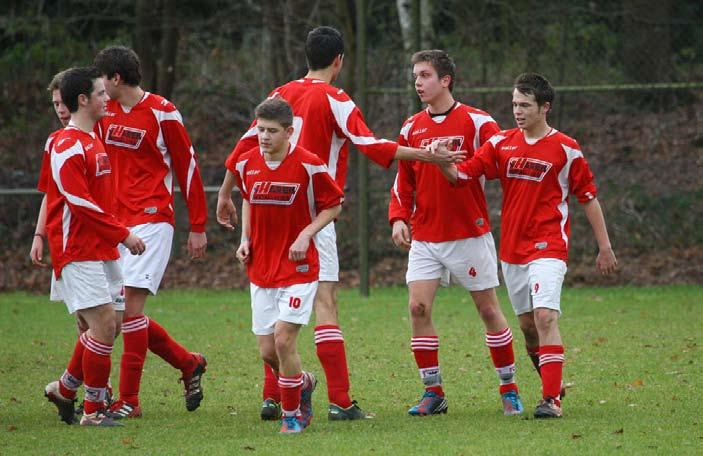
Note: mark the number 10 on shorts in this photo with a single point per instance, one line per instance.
(294, 302)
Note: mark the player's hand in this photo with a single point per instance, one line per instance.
(197, 243)
(226, 213)
(299, 249)
(401, 234)
(606, 261)
(243, 252)
(440, 153)
(134, 244)
(36, 253)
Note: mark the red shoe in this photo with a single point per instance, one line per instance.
(121, 409)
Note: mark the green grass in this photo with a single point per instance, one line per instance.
(633, 356)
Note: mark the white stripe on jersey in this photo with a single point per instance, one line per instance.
(479, 120)
(165, 156)
(66, 224)
(335, 146)
(250, 132)
(57, 162)
(571, 155)
(312, 170)
(405, 131)
(395, 190)
(341, 111)
(191, 171)
(240, 169)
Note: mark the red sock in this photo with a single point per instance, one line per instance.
(551, 361)
(426, 352)
(271, 390)
(135, 337)
(500, 344)
(72, 377)
(163, 345)
(290, 393)
(96, 368)
(329, 343)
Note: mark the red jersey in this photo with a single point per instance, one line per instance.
(45, 171)
(537, 179)
(437, 210)
(282, 202)
(147, 144)
(79, 222)
(325, 120)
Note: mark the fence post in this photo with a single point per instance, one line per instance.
(363, 163)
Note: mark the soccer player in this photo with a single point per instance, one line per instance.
(83, 235)
(451, 232)
(325, 121)
(288, 198)
(147, 143)
(538, 168)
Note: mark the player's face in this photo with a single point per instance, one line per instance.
(97, 103)
(273, 137)
(62, 111)
(527, 113)
(428, 85)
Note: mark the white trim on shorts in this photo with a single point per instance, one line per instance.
(471, 262)
(536, 284)
(147, 270)
(87, 284)
(326, 245)
(292, 304)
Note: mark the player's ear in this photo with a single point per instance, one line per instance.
(546, 107)
(289, 131)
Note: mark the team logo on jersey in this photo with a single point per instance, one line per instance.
(455, 142)
(528, 168)
(266, 192)
(119, 135)
(419, 131)
(102, 164)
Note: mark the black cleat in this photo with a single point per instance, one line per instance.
(193, 389)
(353, 412)
(64, 405)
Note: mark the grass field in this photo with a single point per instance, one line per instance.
(633, 357)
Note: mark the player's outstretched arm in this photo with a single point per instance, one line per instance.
(605, 261)
(299, 249)
(226, 211)
(438, 156)
(36, 253)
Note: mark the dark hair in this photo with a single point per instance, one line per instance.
(276, 109)
(440, 61)
(322, 46)
(537, 85)
(76, 82)
(56, 80)
(120, 60)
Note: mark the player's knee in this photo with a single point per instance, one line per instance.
(284, 344)
(545, 319)
(418, 309)
(490, 313)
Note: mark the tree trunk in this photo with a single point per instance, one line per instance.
(146, 11)
(169, 49)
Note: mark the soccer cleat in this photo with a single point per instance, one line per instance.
(291, 425)
(63, 404)
(548, 408)
(270, 410)
(306, 399)
(430, 404)
(353, 412)
(99, 418)
(512, 405)
(121, 409)
(193, 389)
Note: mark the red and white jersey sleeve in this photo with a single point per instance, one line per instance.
(148, 144)
(325, 121)
(45, 170)
(283, 201)
(537, 179)
(438, 211)
(80, 224)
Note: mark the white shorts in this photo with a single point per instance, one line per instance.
(326, 244)
(86, 284)
(471, 263)
(535, 284)
(292, 304)
(147, 270)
